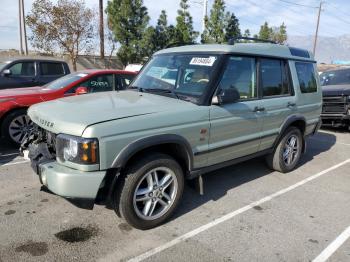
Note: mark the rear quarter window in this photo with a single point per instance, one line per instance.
(51, 69)
(306, 77)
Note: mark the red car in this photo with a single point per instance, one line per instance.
(14, 122)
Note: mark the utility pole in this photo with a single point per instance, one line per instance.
(20, 27)
(317, 26)
(24, 30)
(205, 7)
(102, 36)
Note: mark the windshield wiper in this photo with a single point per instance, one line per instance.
(158, 90)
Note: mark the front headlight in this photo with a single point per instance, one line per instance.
(77, 150)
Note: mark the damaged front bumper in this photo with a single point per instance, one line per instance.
(78, 187)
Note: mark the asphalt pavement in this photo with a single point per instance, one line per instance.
(248, 213)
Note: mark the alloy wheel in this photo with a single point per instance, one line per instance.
(155, 193)
(291, 150)
(19, 128)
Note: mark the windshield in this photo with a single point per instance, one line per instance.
(64, 81)
(336, 77)
(185, 75)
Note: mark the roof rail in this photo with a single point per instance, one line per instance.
(234, 39)
(176, 44)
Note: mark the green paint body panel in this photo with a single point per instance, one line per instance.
(234, 130)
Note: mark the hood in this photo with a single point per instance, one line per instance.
(26, 91)
(336, 90)
(71, 115)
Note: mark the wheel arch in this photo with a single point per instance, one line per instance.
(297, 121)
(171, 144)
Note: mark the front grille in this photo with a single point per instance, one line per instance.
(334, 105)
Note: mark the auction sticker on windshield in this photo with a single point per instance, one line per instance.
(203, 61)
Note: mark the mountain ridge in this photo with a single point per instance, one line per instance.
(328, 49)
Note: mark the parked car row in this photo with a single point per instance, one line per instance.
(191, 110)
(336, 98)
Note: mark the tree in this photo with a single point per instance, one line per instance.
(215, 24)
(129, 21)
(277, 34)
(280, 34)
(162, 31)
(246, 33)
(231, 26)
(185, 33)
(220, 27)
(65, 26)
(265, 32)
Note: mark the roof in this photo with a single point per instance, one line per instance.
(263, 49)
(28, 58)
(114, 71)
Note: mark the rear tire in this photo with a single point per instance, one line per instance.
(287, 153)
(150, 191)
(15, 126)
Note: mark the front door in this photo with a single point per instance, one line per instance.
(22, 75)
(235, 128)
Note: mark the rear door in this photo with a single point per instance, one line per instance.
(49, 71)
(23, 74)
(278, 98)
(100, 83)
(236, 127)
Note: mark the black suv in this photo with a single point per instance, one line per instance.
(27, 72)
(336, 98)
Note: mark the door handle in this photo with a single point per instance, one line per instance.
(291, 104)
(259, 109)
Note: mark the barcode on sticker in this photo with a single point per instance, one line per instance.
(203, 61)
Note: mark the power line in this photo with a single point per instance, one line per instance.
(268, 11)
(298, 4)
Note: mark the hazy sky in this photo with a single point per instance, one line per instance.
(300, 20)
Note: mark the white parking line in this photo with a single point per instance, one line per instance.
(333, 246)
(317, 139)
(12, 154)
(231, 215)
(14, 163)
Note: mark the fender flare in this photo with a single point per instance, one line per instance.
(131, 149)
(286, 124)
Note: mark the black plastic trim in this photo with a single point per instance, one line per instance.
(287, 123)
(143, 143)
(200, 171)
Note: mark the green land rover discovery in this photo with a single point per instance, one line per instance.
(191, 110)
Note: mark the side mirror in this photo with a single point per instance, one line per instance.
(81, 90)
(7, 72)
(226, 96)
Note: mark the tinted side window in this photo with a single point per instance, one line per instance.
(240, 73)
(100, 83)
(306, 77)
(23, 69)
(50, 69)
(273, 77)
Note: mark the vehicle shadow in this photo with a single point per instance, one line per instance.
(218, 183)
(8, 152)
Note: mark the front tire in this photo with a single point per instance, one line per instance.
(150, 191)
(287, 154)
